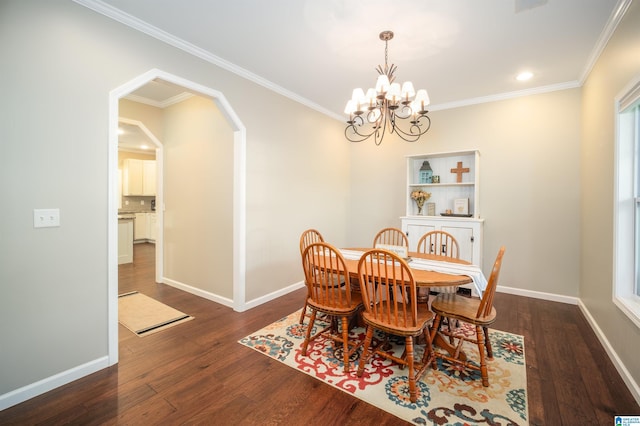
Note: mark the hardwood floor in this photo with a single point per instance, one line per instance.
(197, 373)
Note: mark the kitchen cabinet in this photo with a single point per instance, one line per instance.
(151, 226)
(140, 227)
(145, 227)
(125, 241)
(139, 177)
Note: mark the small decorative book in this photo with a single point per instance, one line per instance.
(461, 206)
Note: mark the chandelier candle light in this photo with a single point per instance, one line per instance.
(372, 113)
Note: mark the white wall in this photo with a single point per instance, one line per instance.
(198, 197)
(618, 65)
(529, 184)
(59, 63)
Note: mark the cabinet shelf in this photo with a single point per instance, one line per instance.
(435, 185)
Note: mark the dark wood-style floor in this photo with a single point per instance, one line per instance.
(197, 373)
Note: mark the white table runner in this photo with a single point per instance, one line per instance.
(472, 271)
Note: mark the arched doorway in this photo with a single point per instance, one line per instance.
(239, 205)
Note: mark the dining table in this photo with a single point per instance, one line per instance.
(427, 278)
(423, 278)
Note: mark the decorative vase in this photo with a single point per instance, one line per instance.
(420, 204)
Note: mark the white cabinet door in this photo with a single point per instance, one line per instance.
(151, 222)
(125, 241)
(465, 238)
(139, 177)
(132, 175)
(140, 228)
(149, 177)
(415, 232)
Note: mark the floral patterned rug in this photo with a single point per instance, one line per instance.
(450, 395)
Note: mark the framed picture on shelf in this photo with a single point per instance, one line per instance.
(461, 206)
(431, 209)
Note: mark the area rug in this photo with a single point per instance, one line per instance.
(144, 315)
(450, 395)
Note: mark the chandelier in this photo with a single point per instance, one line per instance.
(388, 106)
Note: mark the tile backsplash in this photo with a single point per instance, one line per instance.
(135, 204)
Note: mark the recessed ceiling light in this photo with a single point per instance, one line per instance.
(144, 146)
(524, 76)
(120, 131)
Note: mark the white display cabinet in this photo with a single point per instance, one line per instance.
(458, 185)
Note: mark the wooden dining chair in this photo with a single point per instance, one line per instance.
(307, 238)
(391, 236)
(440, 243)
(390, 305)
(325, 270)
(475, 311)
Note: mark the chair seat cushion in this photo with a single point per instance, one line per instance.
(424, 318)
(460, 307)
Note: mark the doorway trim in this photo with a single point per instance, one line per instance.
(239, 195)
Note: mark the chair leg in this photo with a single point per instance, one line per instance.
(435, 326)
(345, 343)
(429, 356)
(488, 343)
(483, 362)
(307, 337)
(365, 351)
(304, 312)
(413, 393)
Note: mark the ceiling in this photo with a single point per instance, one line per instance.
(317, 51)
(132, 138)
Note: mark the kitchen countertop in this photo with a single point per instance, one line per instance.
(123, 215)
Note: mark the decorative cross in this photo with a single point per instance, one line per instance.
(459, 171)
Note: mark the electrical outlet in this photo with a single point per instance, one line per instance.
(46, 218)
(142, 202)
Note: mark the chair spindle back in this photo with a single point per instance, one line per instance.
(388, 288)
(486, 304)
(391, 236)
(309, 237)
(325, 270)
(439, 242)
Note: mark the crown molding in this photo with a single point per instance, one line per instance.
(507, 95)
(613, 22)
(138, 24)
(164, 104)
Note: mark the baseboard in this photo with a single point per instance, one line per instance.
(509, 290)
(613, 356)
(45, 385)
(271, 296)
(198, 292)
(538, 295)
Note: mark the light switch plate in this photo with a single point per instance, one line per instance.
(46, 218)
